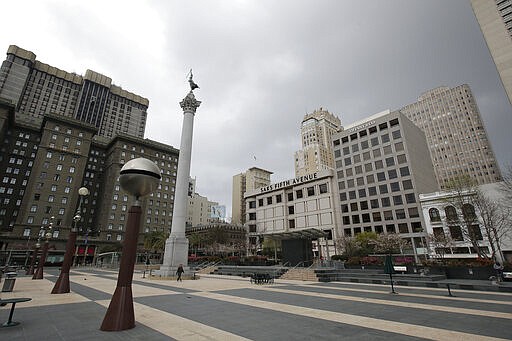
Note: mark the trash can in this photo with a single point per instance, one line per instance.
(10, 279)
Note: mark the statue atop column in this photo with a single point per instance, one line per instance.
(191, 82)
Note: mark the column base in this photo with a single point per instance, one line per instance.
(176, 253)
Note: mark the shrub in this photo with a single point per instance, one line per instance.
(371, 260)
(353, 261)
(339, 257)
(402, 260)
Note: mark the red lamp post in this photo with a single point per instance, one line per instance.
(38, 274)
(62, 284)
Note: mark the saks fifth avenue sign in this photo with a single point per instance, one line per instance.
(291, 182)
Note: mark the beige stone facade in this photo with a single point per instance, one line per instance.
(301, 208)
(316, 131)
(455, 133)
(253, 178)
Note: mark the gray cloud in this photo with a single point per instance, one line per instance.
(262, 65)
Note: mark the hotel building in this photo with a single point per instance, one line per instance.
(37, 89)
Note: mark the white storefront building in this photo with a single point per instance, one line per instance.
(303, 208)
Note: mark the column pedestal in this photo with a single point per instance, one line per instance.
(176, 253)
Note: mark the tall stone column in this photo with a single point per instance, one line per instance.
(176, 246)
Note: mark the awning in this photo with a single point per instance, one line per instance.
(309, 233)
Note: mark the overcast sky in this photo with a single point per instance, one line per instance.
(261, 65)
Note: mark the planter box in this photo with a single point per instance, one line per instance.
(463, 272)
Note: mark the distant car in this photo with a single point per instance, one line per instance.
(507, 276)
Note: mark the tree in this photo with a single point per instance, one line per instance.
(506, 185)
(496, 220)
(461, 215)
(195, 241)
(366, 242)
(389, 243)
(217, 238)
(155, 241)
(359, 246)
(439, 243)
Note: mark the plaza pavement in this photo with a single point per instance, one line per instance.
(231, 308)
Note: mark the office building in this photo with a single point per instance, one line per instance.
(382, 166)
(455, 134)
(495, 20)
(37, 89)
(251, 179)
(316, 133)
(302, 213)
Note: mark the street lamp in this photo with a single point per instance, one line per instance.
(62, 284)
(43, 233)
(139, 177)
(30, 270)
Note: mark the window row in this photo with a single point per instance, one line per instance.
(379, 216)
(372, 190)
(413, 227)
(365, 132)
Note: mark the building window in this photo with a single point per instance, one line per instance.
(451, 213)
(279, 198)
(252, 204)
(456, 232)
(290, 196)
(291, 209)
(33, 208)
(323, 188)
(26, 232)
(397, 200)
(298, 194)
(269, 200)
(434, 214)
(311, 191)
(260, 202)
(291, 223)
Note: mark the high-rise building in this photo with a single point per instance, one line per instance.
(382, 166)
(42, 167)
(37, 89)
(495, 20)
(199, 207)
(316, 132)
(455, 134)
(253, 178)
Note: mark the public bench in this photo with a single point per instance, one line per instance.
(12, 301)
(258, 278)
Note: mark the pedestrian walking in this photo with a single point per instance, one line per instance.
(498, 268)
(179, 272)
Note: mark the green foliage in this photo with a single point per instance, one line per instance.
(155, 241)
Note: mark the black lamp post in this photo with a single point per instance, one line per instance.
(62, 284)
(38, 274)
